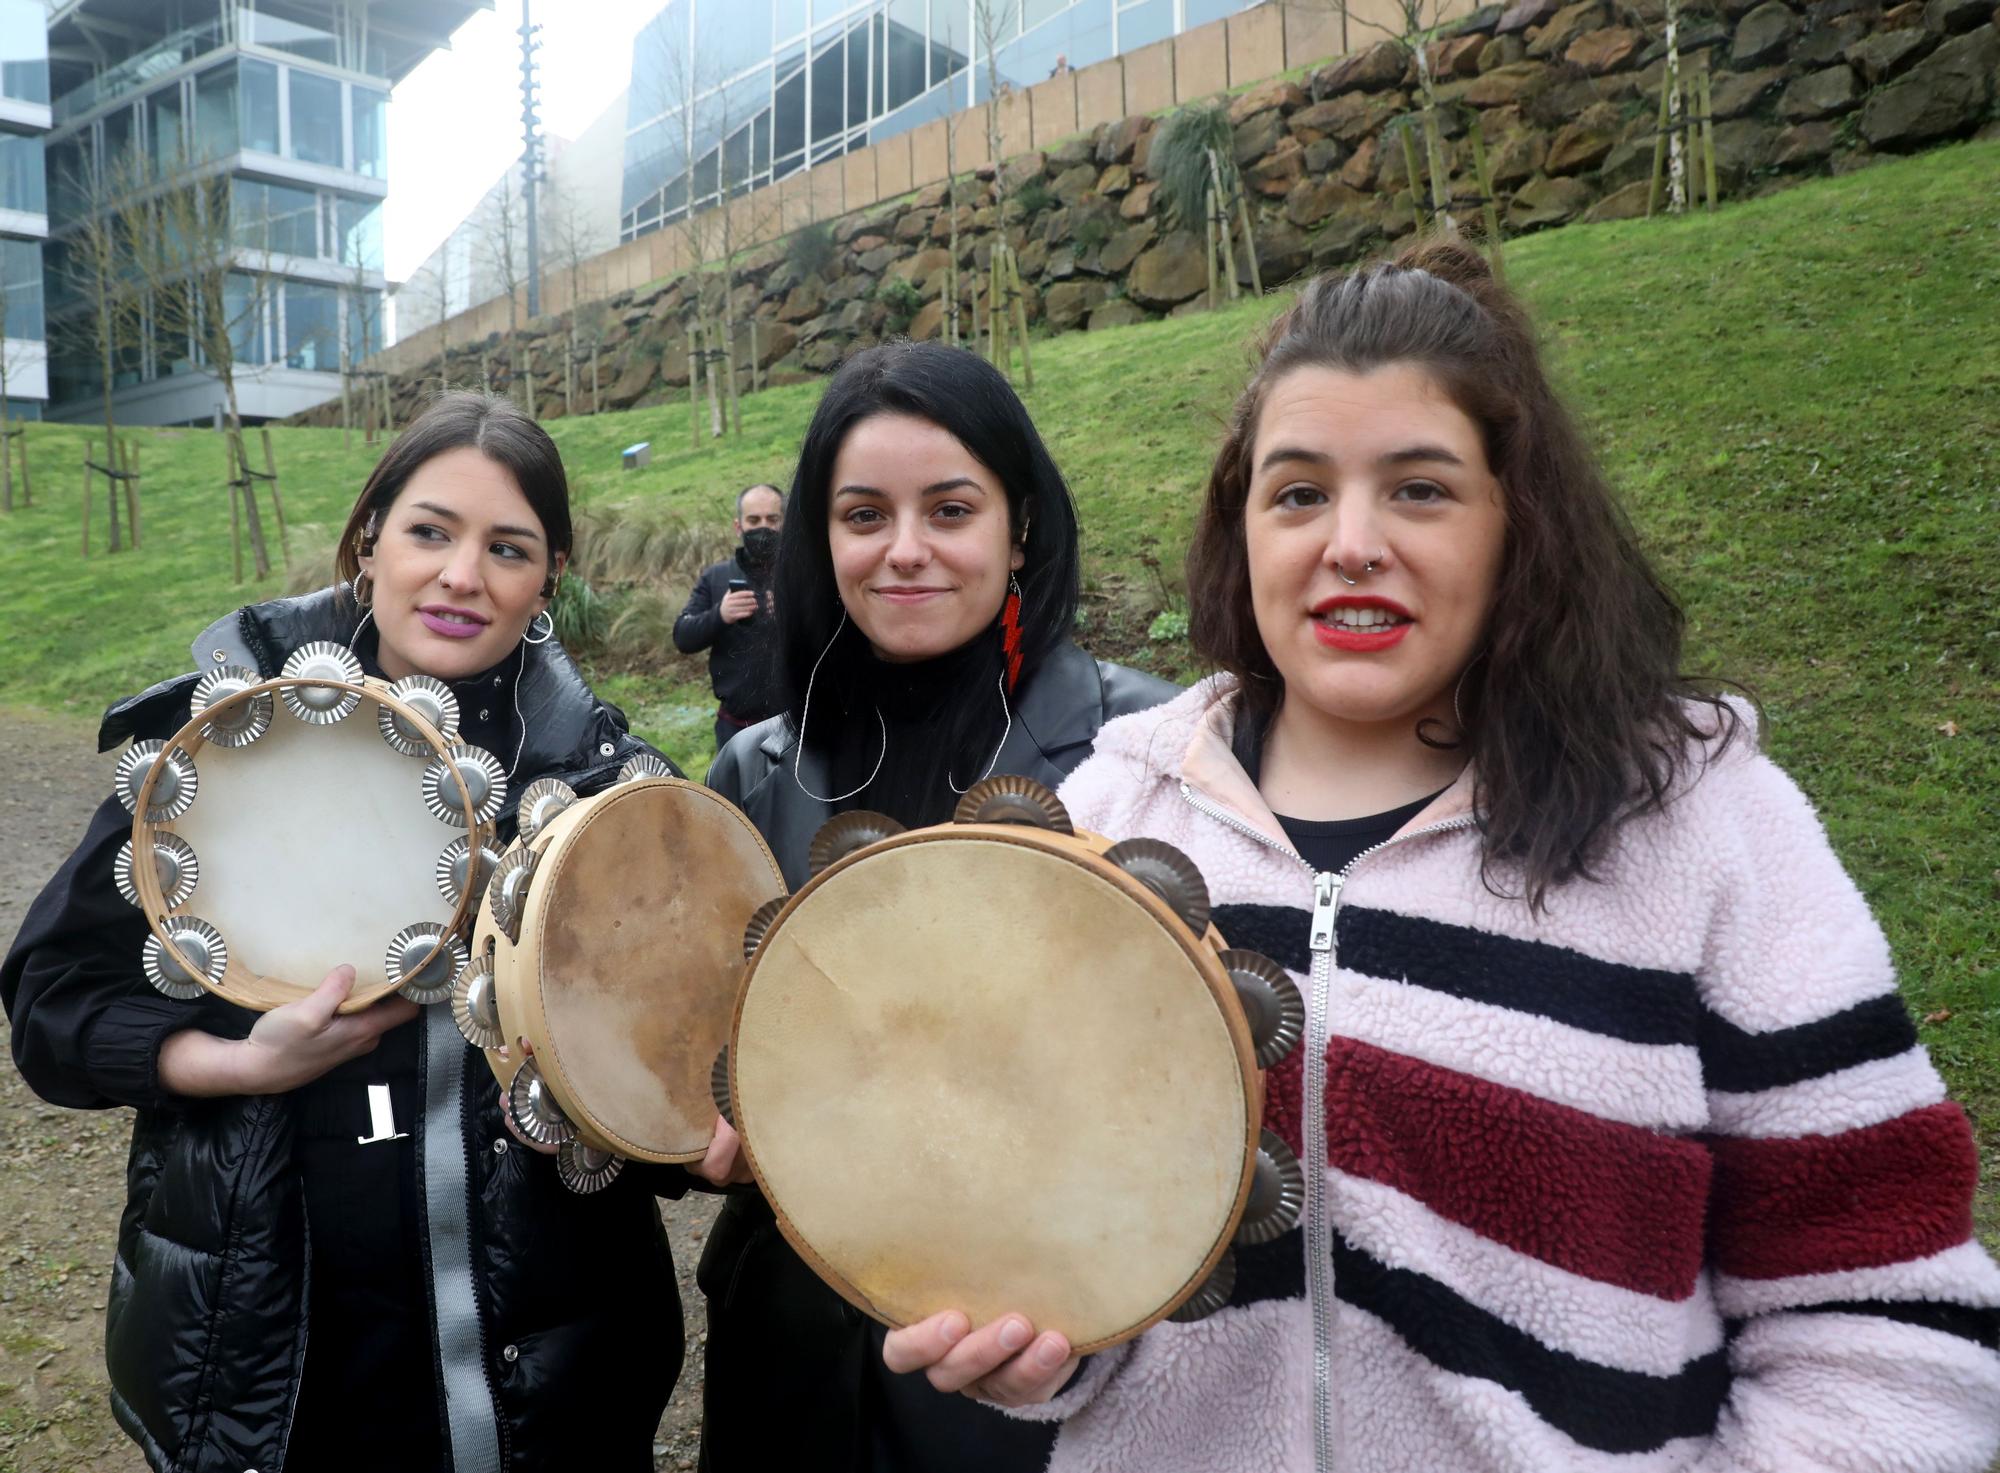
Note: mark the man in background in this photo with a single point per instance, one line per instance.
(729, 614)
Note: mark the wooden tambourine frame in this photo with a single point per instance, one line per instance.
(238, 983)
(517, 980)
(1086, 851)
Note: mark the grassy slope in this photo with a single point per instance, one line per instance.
(1801, 396)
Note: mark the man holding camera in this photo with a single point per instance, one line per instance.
(730, 610)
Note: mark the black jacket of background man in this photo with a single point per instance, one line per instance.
(556, 1319)
(739, 666)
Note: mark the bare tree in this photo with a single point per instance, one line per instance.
(501, 242)
(207, 272)
(113, 220)
(572, 239)
(717, 172)
(12, 360)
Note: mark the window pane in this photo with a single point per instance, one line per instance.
(360, 223)
(312, 327)
(730, 36)
(907, 46)
(790, 137)
(117, 153)
(371, 133)
(67, 176)
(258, 119)
(364, 323)
(791, 19)
(829, 91)
(24, 50)
(1145, 23)
(1201, 12)
(215, 113)
(165, 122)
(21, 186)
(857, 77)
(21, 262)
(243, 300)
(270, 217)
(315, 118)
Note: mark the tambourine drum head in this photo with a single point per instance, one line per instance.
(639, 909)
(316, 849)
(1032, 1102)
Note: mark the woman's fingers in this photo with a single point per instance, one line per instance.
(724, 1164)
(1035, 1375)
(319, 1007)
(981, 1352)
(915, 1347)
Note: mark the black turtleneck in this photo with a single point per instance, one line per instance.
(942, 721)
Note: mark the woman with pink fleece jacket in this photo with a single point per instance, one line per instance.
(1630, 1156)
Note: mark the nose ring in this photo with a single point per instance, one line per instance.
(1367, 567)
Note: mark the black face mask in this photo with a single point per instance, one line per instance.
(760, 548)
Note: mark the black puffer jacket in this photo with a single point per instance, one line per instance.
(555, 1318)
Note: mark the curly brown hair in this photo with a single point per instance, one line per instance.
(1576, 713)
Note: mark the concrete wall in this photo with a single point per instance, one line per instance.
(1247, 47)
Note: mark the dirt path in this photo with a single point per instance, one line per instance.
(62, 1174)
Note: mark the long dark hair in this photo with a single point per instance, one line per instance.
(498, 429)
(971, 400)
(1576, 713)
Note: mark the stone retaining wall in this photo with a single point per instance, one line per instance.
(1567, 96)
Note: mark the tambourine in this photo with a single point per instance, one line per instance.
(304, 821)
(605, 963)
(998, 1065)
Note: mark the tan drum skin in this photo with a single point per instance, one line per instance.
(240, 983)
(623, 982)
(1070, 1135)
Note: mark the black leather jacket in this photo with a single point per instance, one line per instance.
(556, 1319)
(1058, 716)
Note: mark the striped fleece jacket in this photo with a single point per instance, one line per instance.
(1658, 1179)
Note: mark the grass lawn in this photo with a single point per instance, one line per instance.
(1800, 395)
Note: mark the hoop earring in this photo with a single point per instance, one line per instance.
(805, 714)
(364, 589)
(1458, 711)
(548, 629)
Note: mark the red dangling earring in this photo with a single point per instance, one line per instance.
(1010, 632)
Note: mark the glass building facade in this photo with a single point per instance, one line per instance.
(728, 95)
(24, 204)
(289, 100)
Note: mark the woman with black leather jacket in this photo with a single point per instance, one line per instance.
(927, 583)
(295, 1287)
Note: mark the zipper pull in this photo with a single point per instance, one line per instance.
(1326, 897)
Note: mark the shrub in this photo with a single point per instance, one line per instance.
(902, 298)
(1168, 626)
(1032, 198)
(811, 249)
(1179, 161)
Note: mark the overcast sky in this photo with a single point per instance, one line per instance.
(455, 122)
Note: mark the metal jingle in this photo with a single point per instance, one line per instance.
(242, 726)
(1271, 1003)
(423, 961)
(453, 872)
(1212, 1295)
(322, 705)
(534, 1109)
(433, 700)
(1169, 874)
(484, 778)
(643, 766)
(173, 861)
(839, 837)
(475, 1005)
(718, 1086)
(585, 1169)
(1011, 798)
(1277, 1192)
(173, 794)
(759, 925)
(542, 800)
(507, 891)
(194, 939)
